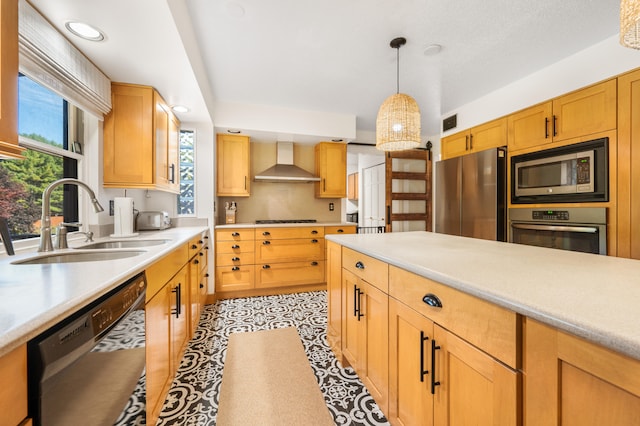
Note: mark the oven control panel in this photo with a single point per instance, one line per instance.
(550, 215)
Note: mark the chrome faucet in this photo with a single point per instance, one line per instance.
(45, 232)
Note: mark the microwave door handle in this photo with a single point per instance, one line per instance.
(584, 229)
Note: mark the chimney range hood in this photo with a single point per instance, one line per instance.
(284, 169)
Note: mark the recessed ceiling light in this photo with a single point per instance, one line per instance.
(180, 108)
(432, 49)
(84, 31)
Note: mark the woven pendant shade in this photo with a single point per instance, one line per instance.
(398, 123)
(630, 23)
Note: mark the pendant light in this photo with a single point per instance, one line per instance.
(398, 122)
(630, 23)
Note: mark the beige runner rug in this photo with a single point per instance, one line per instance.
(267, 380)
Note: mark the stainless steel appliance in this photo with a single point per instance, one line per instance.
(471, 195)
(581, 229)
(83, 370)
(278, 221)
(573, 173)
(148, 221)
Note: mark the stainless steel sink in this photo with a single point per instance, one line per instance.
(79, 256)
(123, 244)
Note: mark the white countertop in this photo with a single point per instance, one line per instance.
(592, 296)
(284, 225)
(35, 297)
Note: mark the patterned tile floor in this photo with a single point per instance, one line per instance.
(193, 397)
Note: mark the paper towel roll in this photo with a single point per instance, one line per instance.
(123, 217)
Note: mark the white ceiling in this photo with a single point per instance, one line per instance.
(331, 55)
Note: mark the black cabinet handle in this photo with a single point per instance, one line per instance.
(177, 310)
(546, 127)
(314, 263)
(340, 231)
(201, 285)
(470, 142)
(434, 383)
(266, 243)
(201, 254)
(423, 339)
(265, 233)
(193, 246)
(314, 232)
(466, 143)
(235, 259)
(206, 275)
(355, 300)
(360, 314)
(555, 122)
(314, 241)
(432, 300)
(359, 265)
(200, 242)
(206, 237)
(196, 261)
(172, 173)
(235, 234)
(266, 266)
(235, 268)
(235, 246)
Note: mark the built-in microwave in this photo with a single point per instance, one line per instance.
(572, 173)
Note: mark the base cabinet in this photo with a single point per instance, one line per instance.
(569, 381)
(334, 297)
(13, 393)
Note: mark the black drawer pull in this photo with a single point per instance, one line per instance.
(206, 275)
(193, 246)
(314, 263)
(200, 242)
(434, 382)
(265, 233)
(201, 254)
(266, 243)
(340, 231)
(235, 259)
(423, 339)
(359, 265)
(432, 300)
(314, 241)
(235, 234)
(235, 246)
(266, 266)
(235, 268)
(201, 285)
(314, 232)
(196, 261)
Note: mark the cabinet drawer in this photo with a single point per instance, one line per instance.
(195, 245)
(235, 234)
(489, 327)
(226, 259)
(347, 229)
(369, 269)
(287, 274)
(160, 272)
(288, 233)
(234, 247)
(278, 251)
(230, 278)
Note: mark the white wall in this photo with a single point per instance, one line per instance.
(596, 63)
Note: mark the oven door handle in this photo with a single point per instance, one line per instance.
(584, 229)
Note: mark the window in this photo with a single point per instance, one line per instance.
(45, 123)
(186, 204)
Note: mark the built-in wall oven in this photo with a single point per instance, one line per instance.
(83, 370)
(581, 229)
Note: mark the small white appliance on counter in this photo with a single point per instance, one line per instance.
(150, 221)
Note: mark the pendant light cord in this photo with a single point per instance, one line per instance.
(397, 69)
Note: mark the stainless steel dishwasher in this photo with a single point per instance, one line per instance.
(84, 369)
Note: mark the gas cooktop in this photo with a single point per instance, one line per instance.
(268, 221)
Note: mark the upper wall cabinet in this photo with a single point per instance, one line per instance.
(489, 135)
(583, 112)
(9, 80)
(331, 167)
(233, 174)
(141, 140)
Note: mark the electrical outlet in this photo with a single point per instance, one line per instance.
(111, 213)
(330, 207)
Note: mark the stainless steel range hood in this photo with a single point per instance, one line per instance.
(285, 170)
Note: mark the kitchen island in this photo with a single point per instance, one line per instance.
(543, 334)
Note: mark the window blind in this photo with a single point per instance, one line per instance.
(49, 58)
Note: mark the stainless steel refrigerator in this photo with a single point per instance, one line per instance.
(471, 195)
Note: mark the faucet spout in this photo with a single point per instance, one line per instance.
(45, 231)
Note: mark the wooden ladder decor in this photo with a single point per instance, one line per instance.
(405, 214)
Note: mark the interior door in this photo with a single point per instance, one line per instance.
(374, 196)
(408, 190)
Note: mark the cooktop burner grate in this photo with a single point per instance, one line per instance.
(268, 221)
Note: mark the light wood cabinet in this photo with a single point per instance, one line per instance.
(179, 325)
(13, 393)
(628, 166)
(583, 112)
(233, 170)
(334, 297)
(9, 80)
(198, 263)
(342, 229)
(352, 186)
(569, 381)
(331, 167)
(235, 259)
(488, 135)
(140, 140)
(365, 325)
